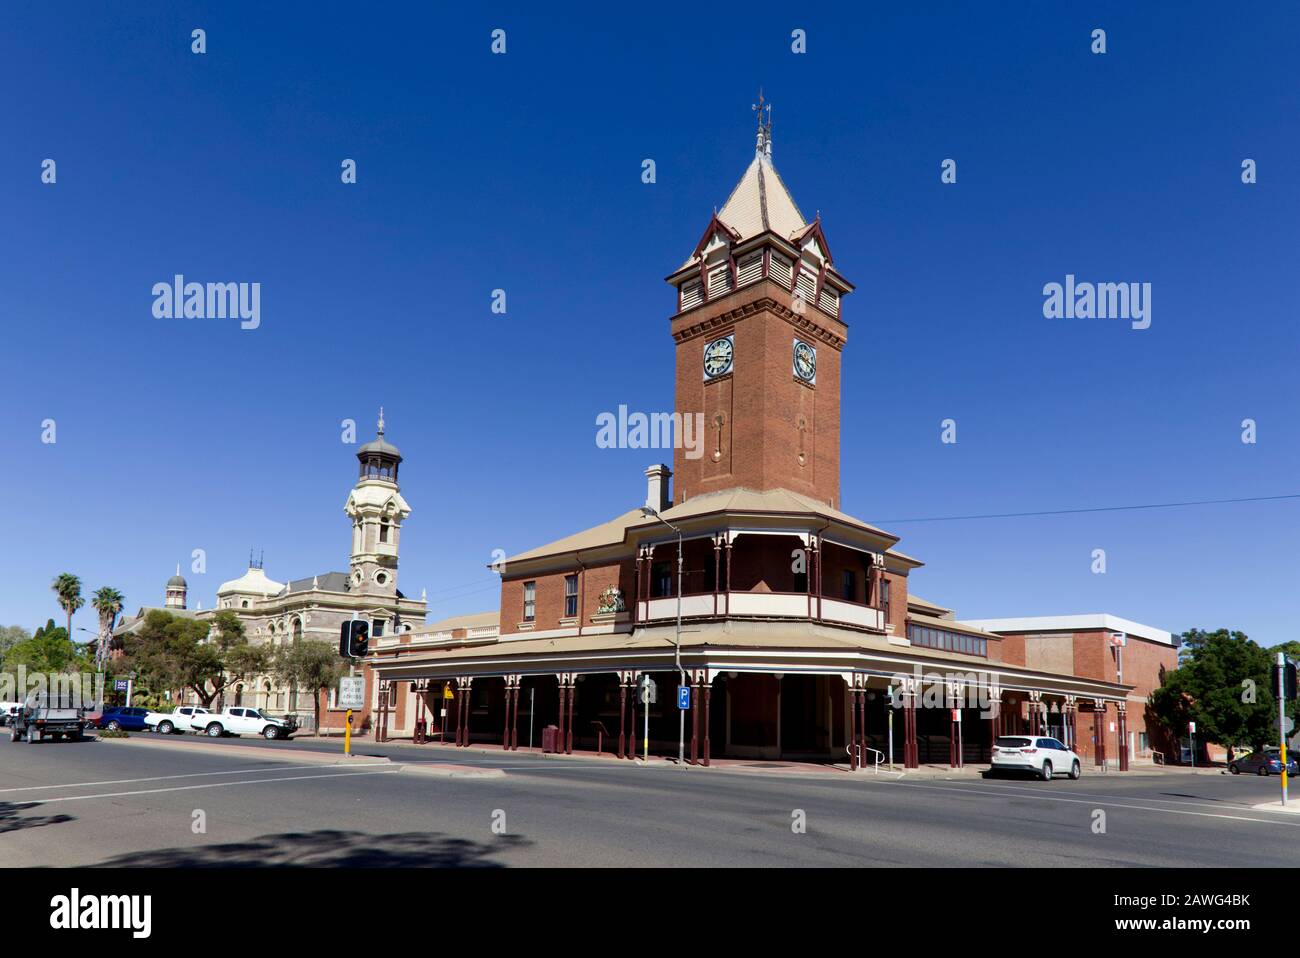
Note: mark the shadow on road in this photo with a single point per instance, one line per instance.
(12, 821)
(328, 848)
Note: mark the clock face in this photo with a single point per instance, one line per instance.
(805, 361)
(717, 357)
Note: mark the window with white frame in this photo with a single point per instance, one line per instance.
(530, 601)
(570, 596)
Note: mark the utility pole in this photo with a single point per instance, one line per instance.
(1281, 715)
(677, 645)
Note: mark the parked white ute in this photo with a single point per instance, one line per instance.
(178, 720)
(243, 721)
(1032, 753)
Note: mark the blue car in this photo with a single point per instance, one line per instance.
(1265, 762)
(129, 719)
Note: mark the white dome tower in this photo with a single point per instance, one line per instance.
(377, 509)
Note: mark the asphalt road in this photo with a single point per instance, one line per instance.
(130, 804)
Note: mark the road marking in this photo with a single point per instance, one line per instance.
(1104, 802)
(386, 770)
(163, 778)
(1026, 790)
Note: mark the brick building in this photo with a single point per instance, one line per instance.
(799, 637)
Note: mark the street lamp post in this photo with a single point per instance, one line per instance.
(677, 645)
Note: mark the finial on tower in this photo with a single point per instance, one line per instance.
(381, 420)
(763, 147)
(178, 568)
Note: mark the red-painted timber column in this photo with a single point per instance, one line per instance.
(693, 684)
(1099, 730)
(573, 695)
(851, 698)
(505, 727)
(995, 722)
(911, 752)
(559, 745)
(1122, 724)
(622, 714)
(631, 728)
(708, 690)
(514, 723)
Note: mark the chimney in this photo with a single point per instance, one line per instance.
(656, 495)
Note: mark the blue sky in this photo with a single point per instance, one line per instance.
(522, 172)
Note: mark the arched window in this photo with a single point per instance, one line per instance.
(297, 629)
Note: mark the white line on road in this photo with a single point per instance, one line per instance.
(1095, 802)
(1027, 790)
(163, 778)
(386, 770)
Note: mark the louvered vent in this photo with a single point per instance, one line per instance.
(780, 270)
(808, 286)
(719, 281)
(692, 294)
(830, 301)
(750, 269)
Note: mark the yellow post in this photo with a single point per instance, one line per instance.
(347, 736)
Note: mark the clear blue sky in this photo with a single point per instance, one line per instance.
(522, 172)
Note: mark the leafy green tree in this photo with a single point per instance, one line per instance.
(49, 650)
(108, 603)
(11, 635)
(310, 666)
(173, 652)
(1223, 683)
(67, 587)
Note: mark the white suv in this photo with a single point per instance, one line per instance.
(1032, 753)
(244, 721)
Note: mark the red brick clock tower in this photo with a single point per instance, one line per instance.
(759, 337)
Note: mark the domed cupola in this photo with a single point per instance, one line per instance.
(379, 459)
(176, 591)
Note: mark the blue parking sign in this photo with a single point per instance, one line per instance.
(119, 685)
(683, 696)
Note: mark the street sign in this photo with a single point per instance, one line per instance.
(1287, 725)
(1191, 728)
(648, 691)
(683, 696)
(352, 692)
(447, 693)
(121, 685)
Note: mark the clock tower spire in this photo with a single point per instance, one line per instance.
(759, 339)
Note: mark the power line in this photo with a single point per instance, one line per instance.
(1069, 512)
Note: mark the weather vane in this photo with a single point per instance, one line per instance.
(764, 111)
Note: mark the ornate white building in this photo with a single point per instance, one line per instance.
(278, 613)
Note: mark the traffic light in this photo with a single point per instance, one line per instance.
(1288, 681)
(354, 639)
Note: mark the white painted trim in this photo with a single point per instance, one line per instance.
(1072, 623)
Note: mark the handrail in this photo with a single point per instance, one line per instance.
(880, 757)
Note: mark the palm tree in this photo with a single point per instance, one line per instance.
(108, 602)
(68, 588)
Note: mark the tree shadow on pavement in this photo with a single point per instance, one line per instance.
(12, 821)
(329, 848)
